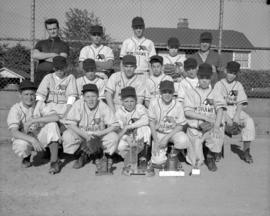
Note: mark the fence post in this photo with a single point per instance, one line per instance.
(32, 38)
(220, 26)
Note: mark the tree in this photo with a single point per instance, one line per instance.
(17, 57)
(77, 31)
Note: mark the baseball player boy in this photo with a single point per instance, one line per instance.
(103, 55)
(57, 91)
(139, 46)
(88, 119)
(236, 99)
(167, 119)
(157, 75)
(32, 134)
(89, 67)
(134, 121)
(190, 81)
(122, 79)
(204, 106)
(174, 61)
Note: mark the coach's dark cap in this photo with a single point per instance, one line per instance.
(173, 43)
(206, 37)
(138, 22)
(96, 29)
(59, 62)
(27, 85)
(156, 58)
(233, 67)
(205, 71)
(89, 65)
(90, 88)
(190, 63)
(128, 92)
(166, 85)
(129, 60)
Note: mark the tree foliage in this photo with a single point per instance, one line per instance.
(17, 57)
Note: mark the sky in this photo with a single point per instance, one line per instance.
(252, 17)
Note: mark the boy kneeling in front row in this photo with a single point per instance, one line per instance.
(31, 134)
(135, 133)
(90, 119)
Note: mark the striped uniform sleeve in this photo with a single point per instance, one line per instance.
(111, 83)
(241, 97)
(13, 119)
(181, 119)
(101, 89)
(109, 115)
(152, 114)
(140, 87)
(189, 104)
(72, 87)
(217, 96)
(109, 54)
(43, 89)
(74, 114)
(123, 51)
(142, 115)
(79, 85)
(152, 50)
(181, 92)
(84, 53)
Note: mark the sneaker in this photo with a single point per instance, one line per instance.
(150, 171)
(218, 156)
(247, 156)
(211, 165)
(26, 162)
(81, 161)
(55, 167)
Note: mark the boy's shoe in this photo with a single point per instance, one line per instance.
(26, 162)
(150, 171)
(55, 167)
(218, 156)
(211, 165)
(81, 161)
(247, 156)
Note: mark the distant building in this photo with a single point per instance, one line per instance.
(8, 76)
(235, 45)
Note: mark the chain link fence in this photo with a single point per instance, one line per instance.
(240, 29)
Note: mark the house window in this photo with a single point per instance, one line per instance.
(243, 59)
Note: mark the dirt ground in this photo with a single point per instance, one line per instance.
(235, 189)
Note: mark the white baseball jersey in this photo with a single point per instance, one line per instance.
(233, 92)
(152, 85)
(166, 117)
(57, 92)
(90, 120)
(179, 58)
(91, 52)
(100, 83)
(203, 101)
(185, 85)
(18, 115)
(138, 115)
(142, 48)
(118, 80)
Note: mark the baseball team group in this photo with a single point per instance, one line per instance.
(155, 104)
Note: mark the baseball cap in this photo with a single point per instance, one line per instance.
(166, 85)
(138, 22)
(90, 88)
(233, 67)
(96, 29)
(206, 37)
(156, 58)
(173, 43)
(128, 92)
(59, 62)
(89, 65)
(129, 60)
(190, 63)
(27, 85)
(205, 71)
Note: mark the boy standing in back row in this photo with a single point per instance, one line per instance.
(139, 46)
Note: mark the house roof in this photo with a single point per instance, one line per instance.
(189, 38)
(14, 73)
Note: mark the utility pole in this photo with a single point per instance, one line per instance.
(220, 26)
